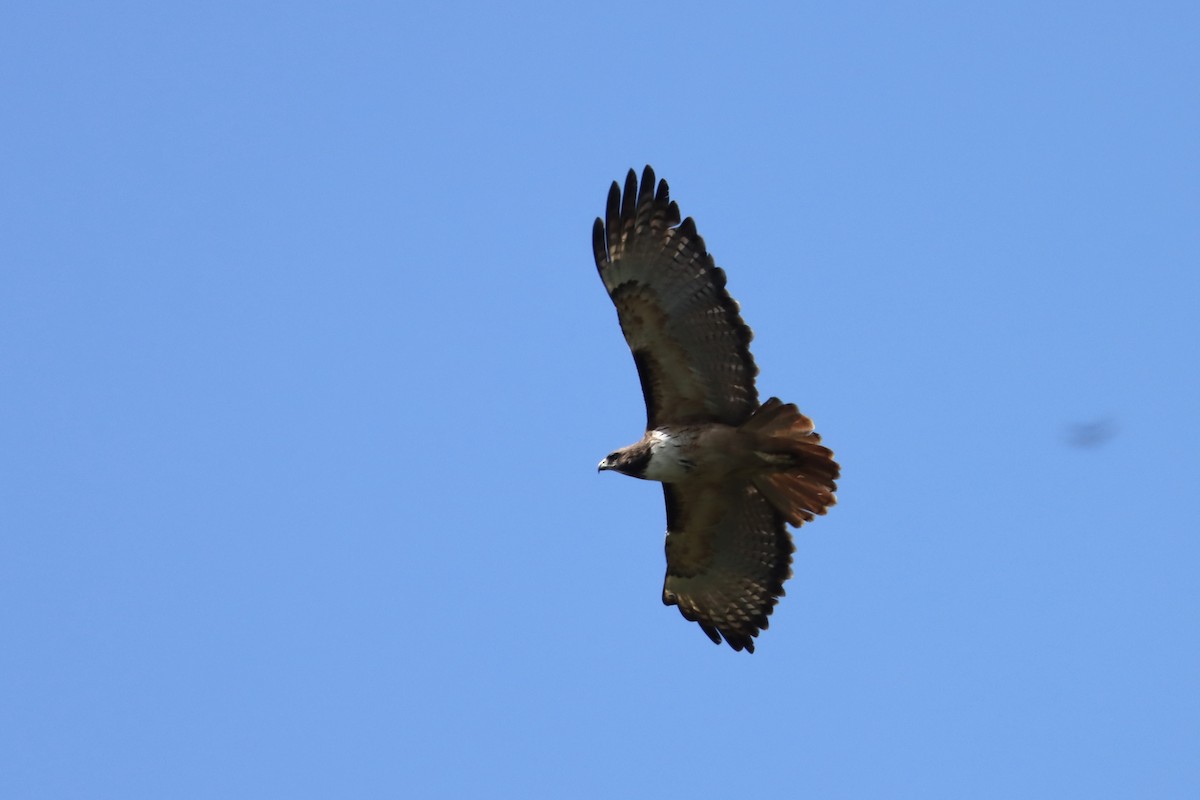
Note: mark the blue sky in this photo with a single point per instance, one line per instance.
(306, 373)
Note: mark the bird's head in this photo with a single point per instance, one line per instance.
(630, 460)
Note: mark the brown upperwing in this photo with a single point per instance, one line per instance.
(690, 345)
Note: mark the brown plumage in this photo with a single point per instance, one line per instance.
(734, 473)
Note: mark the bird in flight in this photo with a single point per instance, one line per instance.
(1091, 434)
(735, 473)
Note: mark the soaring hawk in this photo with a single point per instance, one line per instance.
(734, 473)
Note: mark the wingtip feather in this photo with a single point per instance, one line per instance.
(599, 245)
(629, 198)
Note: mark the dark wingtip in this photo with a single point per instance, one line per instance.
(599, 245)
(629, 199)
(612, 212)
(647, 179)
(739, 641)
(711, 632)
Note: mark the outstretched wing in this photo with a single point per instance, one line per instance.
(689, 342)
(728, 554)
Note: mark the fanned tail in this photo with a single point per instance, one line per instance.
(800, 476)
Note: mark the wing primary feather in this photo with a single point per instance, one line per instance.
(646, 194)
(711, 632)
(663, 196)
(688, 229)
(599, 245)
(612, 217)
(629, 201)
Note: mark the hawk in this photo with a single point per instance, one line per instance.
(735, 473)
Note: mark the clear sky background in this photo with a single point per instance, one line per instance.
(305, 371)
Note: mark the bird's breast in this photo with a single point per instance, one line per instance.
(672, 455)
